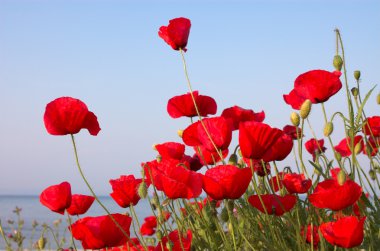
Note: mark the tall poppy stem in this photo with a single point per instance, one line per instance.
(72, 237)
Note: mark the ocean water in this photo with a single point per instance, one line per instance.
(32, 210)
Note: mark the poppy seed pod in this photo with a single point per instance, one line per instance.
(305, 109)
(329, 128)
(357, 75)
(295, 118)
(338, 62)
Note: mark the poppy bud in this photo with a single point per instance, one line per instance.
(338, 62)
(338, 156)
(357, 75)
(329, 127)
(159, 235)
(180, 132)
(358, 148)
(305, 109)
(233, 159)
(372, 174)
(142, 191)
(341, 177)
(355, 91)
(378, 99)
(241, 163)
(155, 201)
(295, 118)
(41, 243)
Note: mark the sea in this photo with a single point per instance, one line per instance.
(33, 212)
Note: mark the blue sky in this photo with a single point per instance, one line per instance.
(108, 54)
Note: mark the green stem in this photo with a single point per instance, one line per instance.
(72, 238)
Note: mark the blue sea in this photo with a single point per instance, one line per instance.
(33, 211)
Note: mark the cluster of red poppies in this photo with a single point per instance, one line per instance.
(176, 173)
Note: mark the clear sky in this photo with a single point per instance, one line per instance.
(108, 54)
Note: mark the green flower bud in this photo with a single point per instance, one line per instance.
(338, 156)
(159, 235)
(372, 174)
(41, 243)
(358, 148)
(378, 99)
(357, 75)
(142, 191)
(338, 62)
(305, 109)
(329, 128)
(341, 177)
(233, 159)
(355, 91)
(295, 118)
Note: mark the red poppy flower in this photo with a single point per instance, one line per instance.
(218, 128)
(176, 33)
(329, 194)
(296, 183)
(209, 157)
(273, 204)
(259, 167)
(372, 146)
(124, 190)
(132, 245)
(238, 114)
(276, 182)
(279, 149)
(226, 182)
(317, 86)
(80, 204)
(255, 139)
(315, 147)
(192, 207)
(334, 173)
(311, 235)
(343, 148)
(372, 126)
(68, 115)
(293, 131)
(193, 163)
(173, 179)
(178, 245)
(150, 224)
(346, 232)
(183, 105)
(171, 150)
(101, 232)
(57, 197)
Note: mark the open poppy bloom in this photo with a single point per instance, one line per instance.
(255, 139)
(311, 234)
(178, 245)
(316, 85)
(372, 126)
(209, 157)
(280, 149)
(293, 131)
(343, 148)
(226, 182)
(315, 147)
(183, 105)
(331, 195)
(68, 115)
(150, 224)
(273, 204)
(124, 190)
(173, 179)
(238, 114)
(346, 232)
(80, 204)
(171, 150)
(260, 167)
(296, 183)
(218, 128)
(276, 181)
(176, 33)
(101, 232)
(57, 197)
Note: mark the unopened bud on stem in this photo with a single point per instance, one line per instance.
(295, 119)
(357, 75)
(305, 109)
(329, 128)
(341, 177)
(338, 62)
(233, 159)
(355, 91)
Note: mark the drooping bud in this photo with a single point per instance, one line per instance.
(142, 191)
(355, 91)
(41, 243)
(338, 62)
(305, 109)
(372, 174)
(233, 159)
(341, 177)
(295, 119)
(378, 99)
(357, 75)
(358, 148)
(180, 132)
(329, 128)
